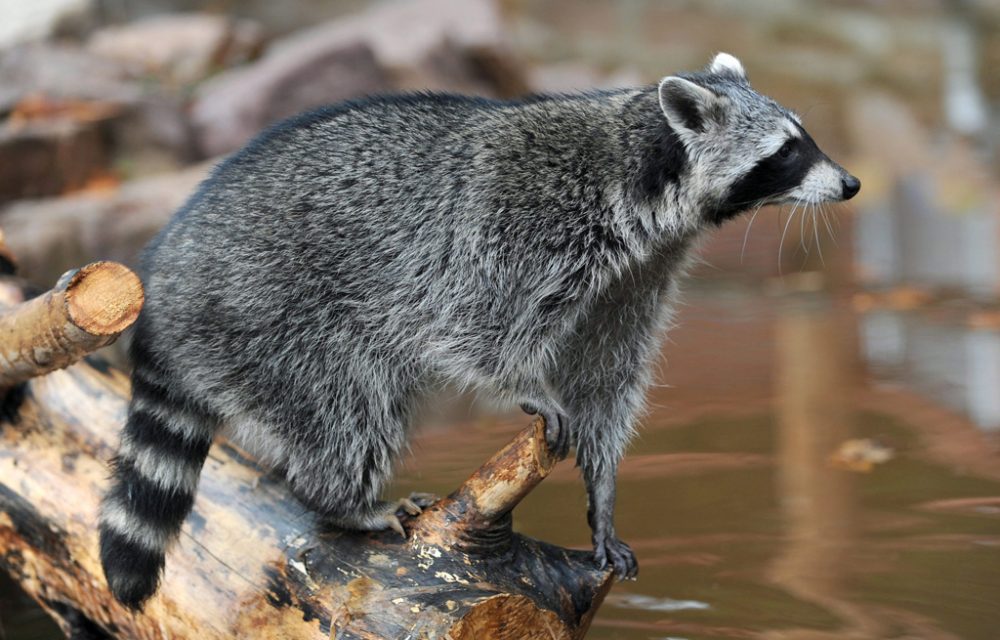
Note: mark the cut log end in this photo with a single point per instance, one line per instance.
(85, 311)
(103, 298)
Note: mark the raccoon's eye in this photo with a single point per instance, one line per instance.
(786, 149)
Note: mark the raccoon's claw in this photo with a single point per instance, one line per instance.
(609, 549)
(409, 506)
(388, 515)
(557, 434)
(415, 504)
(392, 522)
(423, 500)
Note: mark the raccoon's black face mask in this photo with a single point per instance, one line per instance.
(747, 149)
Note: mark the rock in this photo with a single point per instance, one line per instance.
(154, 135)
(237, 105)
(565, 77)
(53, 235)
(180, 48)
(145, 124)
(62, 71)
(51, 156)
(455, 45)
(410, 37)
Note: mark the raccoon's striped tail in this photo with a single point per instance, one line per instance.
(155, 476)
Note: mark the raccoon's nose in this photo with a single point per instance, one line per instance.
(851, 186)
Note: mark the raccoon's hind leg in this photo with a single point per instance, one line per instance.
(342, 464)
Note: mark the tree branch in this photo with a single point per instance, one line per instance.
(86, 310)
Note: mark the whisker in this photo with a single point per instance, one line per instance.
(829, 229)
(819, 247)
(781, 244)
(802, 226)
(746, 235)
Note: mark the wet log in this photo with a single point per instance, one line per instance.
(251, 562)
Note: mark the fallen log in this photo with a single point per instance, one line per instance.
(251, 562)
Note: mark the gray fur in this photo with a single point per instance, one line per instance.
(348, 264)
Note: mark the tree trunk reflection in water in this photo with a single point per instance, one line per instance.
(817, 367)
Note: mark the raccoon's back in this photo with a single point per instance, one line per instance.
(335, 173)
(311, 228)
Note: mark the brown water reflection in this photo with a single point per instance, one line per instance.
(743, 526)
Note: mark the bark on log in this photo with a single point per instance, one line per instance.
(252, 563)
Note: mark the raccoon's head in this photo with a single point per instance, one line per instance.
(744, 149)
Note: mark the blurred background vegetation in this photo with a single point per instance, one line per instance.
(822, 459)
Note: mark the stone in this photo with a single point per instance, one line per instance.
(237, 105)
(182, 48)
(51, 156)
(143, 123)
(567, 77)
(52, 235)
(447, 45)
(62, 71)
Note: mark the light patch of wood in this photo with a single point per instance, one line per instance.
(500, 484)
(103, 298)
(508, 617)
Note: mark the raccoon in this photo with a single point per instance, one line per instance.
(328, 279)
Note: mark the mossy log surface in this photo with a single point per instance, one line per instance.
(253, 563)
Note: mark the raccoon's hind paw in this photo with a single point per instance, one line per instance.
(391, 521)
(390, 515)
(421, 500)
(384, 515)
(414, 505)
(557, 432)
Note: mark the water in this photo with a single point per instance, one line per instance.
(746, 520)
(743, 525)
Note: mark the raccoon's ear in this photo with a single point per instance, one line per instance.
(727, 65)
(689, 107)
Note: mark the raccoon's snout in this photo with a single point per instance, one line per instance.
(850, 186)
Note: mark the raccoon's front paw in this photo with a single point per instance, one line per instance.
(557, 433)
(609, 549)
